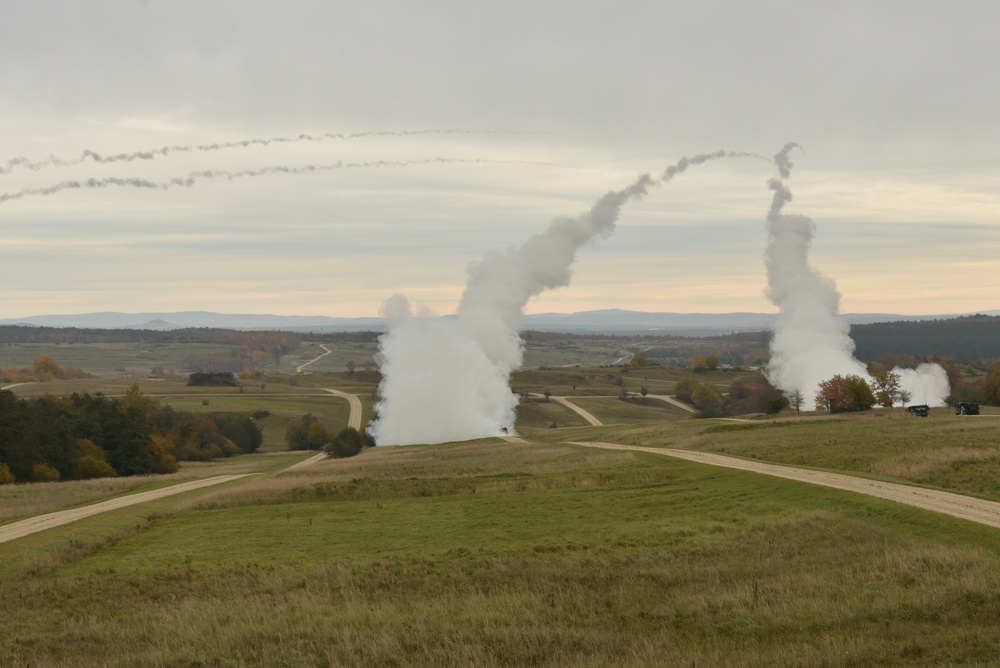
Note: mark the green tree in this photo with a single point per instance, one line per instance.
(707, 400)
(317, 436)
(297, 432)
(684, 389)
(991, 386)
(347, 443)
(885, 387)
(89, 467)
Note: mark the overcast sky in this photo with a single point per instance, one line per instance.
(535, 108)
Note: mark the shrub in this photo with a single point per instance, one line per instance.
(89, 467)
(6, 477)
(347, 443)
(43, 473)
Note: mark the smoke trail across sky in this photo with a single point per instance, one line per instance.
(194, 177)
(163, 151)
(448, 379)
(811, 342)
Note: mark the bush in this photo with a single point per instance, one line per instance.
(6, 477)
(300, 435)
(43, 473)
(240, 430)
(89, 467)
(200, 379)
(347, 443)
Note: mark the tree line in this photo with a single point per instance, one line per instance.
(973, 338)
(86, 435)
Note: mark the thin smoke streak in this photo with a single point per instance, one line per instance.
(152, 154)
(194, 177)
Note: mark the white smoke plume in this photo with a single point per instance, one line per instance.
(194, 177)
(163, 151)
(448, 379)
(811, 342)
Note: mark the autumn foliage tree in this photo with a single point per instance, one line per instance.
(842, 394)
(705, 363)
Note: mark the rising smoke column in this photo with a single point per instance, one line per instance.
(811, 342)
(448, 379)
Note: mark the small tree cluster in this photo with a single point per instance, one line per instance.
(842, 394)
(703, 396)
(704, 363)
(349, 442)
(91, 436)
(640, 361)
(760, 397)
(306, 433)
(42, 370)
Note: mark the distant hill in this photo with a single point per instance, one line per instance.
(967, 338)
(607, 321)
(187, 319)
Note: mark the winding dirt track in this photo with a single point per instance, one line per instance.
(956, 505)
(42, 522)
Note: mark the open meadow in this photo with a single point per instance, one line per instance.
(496, 553)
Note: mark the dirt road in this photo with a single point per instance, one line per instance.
(42, 522)
(300, 367)
(355, 418)
(956, 505)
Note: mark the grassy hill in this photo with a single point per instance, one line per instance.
(492, 553)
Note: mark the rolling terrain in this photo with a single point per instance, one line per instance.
(542, 551)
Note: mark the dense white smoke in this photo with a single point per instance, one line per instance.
(447, 379)
(191, 179)
(811, 342)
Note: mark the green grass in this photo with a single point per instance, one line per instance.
(502, 554)
(637, 409)
(492, 553)
(945, 451)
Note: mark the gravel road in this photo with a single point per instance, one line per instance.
(956, 505)
(58, 518)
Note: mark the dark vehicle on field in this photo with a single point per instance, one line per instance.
(966, 408)
(923, 410)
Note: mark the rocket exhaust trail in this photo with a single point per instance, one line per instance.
(194, 177)
(811, 342)
(163, 151)
(448, 379)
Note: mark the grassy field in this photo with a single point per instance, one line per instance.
(500, 554)
(945, 451)
(497, 554)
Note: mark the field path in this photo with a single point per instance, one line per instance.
(589, 417)
(956, 505)
(355, 418)
(61, 517)
(300, 367)
(674, 402)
